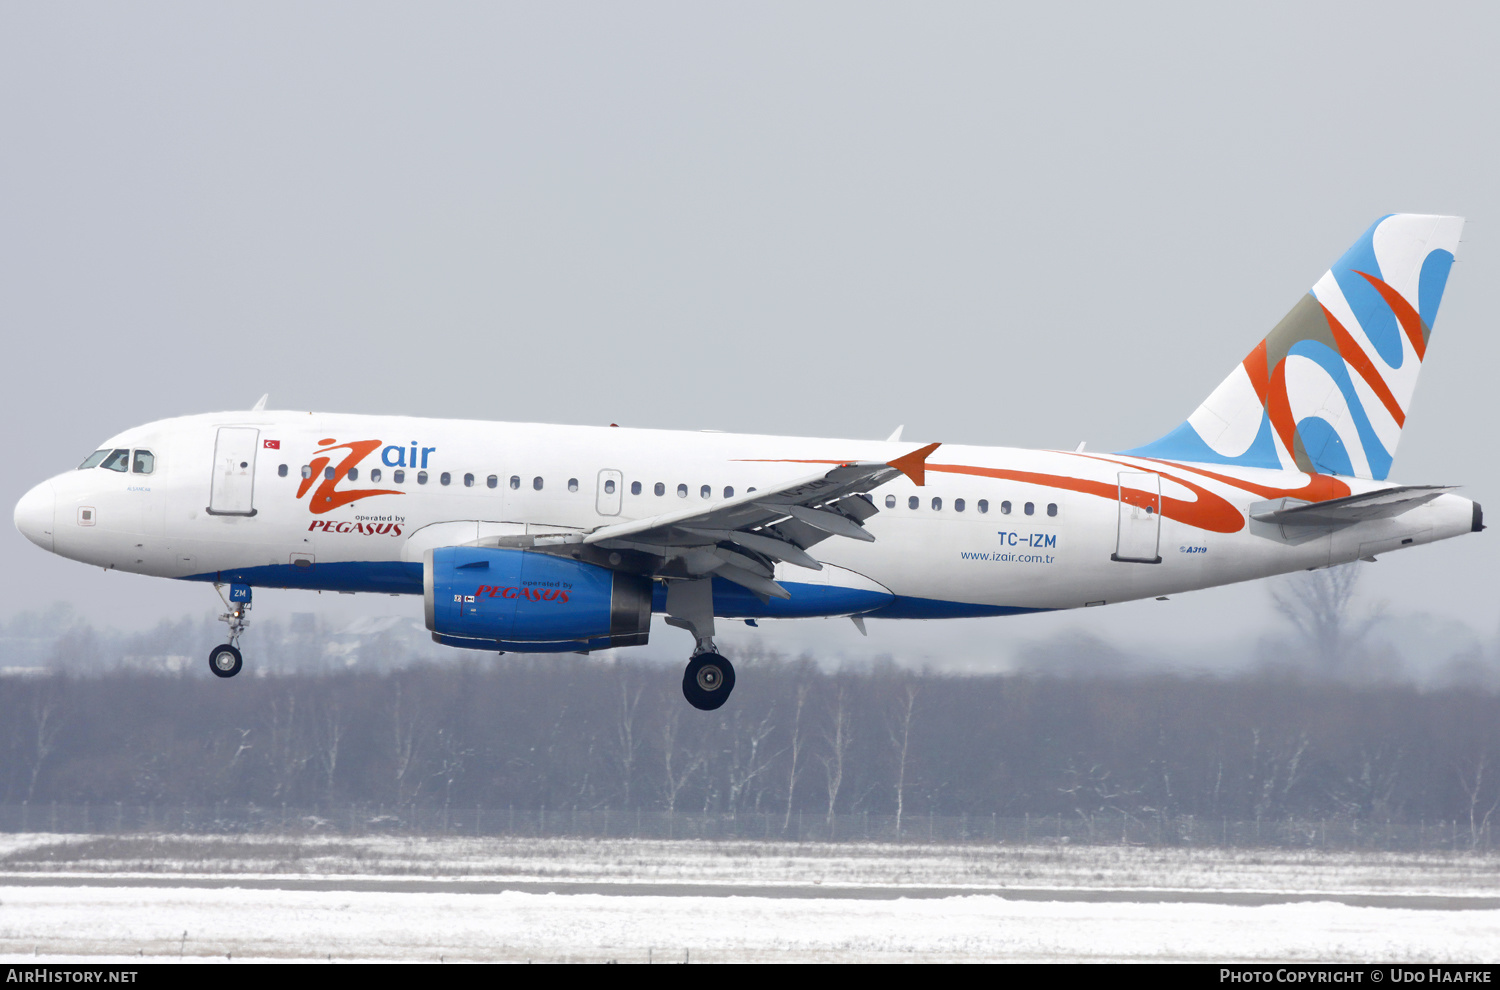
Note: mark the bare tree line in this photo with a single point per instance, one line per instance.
(561, 733)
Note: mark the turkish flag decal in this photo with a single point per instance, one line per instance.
(273, 444)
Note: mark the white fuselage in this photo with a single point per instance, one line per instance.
(969, 545)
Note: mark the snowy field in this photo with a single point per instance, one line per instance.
(342, 926)
(975, 913)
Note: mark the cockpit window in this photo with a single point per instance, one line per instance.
(144, 463)
(92, 461)
(118, 460)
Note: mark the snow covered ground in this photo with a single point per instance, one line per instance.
(845, 863)
(235, 923)
(977, 922)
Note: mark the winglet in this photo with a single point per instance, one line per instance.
(914, 465)
(260, 403)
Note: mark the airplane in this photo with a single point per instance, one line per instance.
(537, 538)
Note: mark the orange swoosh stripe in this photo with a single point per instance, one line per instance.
(1319, 487)
(1356, 357)
(1209, 511)
(1255, 367)
(1411, 322)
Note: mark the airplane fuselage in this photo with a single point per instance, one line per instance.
(351, 503)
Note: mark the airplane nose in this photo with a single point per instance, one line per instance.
(34, 515)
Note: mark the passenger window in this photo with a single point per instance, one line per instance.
(937, 505)
(536, 483)
(1005, 508)
(660, 488)
(749, 490)
(421, 477)
(609, 487)
(983, 505)
(375, 475)
(913, 502)
(705, 492)
(398, 476)
(958, 505)
(145, 463)
(572, 484)
(682, 491)
(1051, 508)
(328, 473)
(92, 461)
(307, 470)
(444, 478)
(468, 481)
(281, 471)
(1030, 508)
(493, 481)
(515, 482)
(118, 460)
(635, 488)
(354, 474)
(729, 491)
(890, 501)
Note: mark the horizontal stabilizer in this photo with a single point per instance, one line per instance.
(1350, 509)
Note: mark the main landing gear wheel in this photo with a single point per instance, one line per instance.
(707, 681)
(225, 661)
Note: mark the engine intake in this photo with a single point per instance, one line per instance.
(521, 598)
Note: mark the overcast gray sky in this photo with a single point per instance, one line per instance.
(1025, 225)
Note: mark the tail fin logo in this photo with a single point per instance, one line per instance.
(1328, 390)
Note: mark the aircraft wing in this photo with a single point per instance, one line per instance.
(741, 539)
(1350, 509)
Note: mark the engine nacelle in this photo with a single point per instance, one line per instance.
(516, 598)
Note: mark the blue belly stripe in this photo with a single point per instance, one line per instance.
(390, 577)
(394, 577)
(932, 608)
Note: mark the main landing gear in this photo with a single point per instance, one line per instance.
(709, 677)
(707, 681)
(225, 659)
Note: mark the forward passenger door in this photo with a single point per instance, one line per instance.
(232, 491)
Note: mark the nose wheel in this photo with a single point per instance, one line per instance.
(225, 659)
(707, 681)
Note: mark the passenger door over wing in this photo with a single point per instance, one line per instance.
(232, 490)
(609, 496)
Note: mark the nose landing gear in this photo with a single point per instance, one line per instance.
(225, 659)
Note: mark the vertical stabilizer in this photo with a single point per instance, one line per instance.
(1329, 388)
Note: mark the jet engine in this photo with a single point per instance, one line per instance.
(521, 600)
